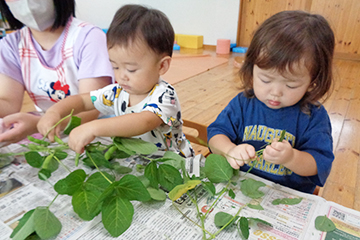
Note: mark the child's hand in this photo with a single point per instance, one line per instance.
(81, 136)
(279, 152)
(47, 122)
(240, 154)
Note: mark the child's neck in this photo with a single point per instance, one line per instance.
(135, 99)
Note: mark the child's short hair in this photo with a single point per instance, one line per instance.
(64, 10)
(133, 22)
(287, 38)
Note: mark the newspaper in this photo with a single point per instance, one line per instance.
(21, 191)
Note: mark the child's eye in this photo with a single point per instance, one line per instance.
(265, 81)
(291, 87)
(115, 68)
(131, 70)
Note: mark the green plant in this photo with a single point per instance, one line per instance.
(104, 192)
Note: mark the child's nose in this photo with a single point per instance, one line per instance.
(276, 91)
(122, 76)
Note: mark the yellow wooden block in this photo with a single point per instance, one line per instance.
(189, 41)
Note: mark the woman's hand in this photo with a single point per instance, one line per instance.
(20, 126)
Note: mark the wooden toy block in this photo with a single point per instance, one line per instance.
(189, 41)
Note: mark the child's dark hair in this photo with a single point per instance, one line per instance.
(288, 38)
(133, 22)
(64, 10)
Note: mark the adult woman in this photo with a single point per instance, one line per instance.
(53, 56)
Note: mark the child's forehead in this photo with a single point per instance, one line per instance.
(295, 69)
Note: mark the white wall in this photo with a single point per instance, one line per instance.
(212, 19)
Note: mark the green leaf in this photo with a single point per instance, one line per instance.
(287, 201)
(260, 221)
(144, 180)
(73, 123)
(222, 218)
(209, 187)
(179, 190)
(151, 172)
(324, 224)
(231, 193)
(244, 227)
(138, 146)
(44, 174)
(117, 214)
(34, 159)
(169, 176)
(131, 188)
(157, 194)
(249, 187)
(172, 159)
(50, 163)
(97, 157)
(105, 194)
(97, 181)
(61, 155)
(257, 206)
(45, 223)
(25, 226)
(71, 183)
(120, 169)
(33, 236)
(217, 169)
(85, 203)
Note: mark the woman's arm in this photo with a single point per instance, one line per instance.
(11, 95)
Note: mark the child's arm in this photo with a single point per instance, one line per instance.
(300, 162)
(236, 155)
(128, 125)
(78, 103)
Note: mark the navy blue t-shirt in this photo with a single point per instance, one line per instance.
(247, 120)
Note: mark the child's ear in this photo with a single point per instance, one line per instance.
(164, 65)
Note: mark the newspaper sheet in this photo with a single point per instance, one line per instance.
(21, 191)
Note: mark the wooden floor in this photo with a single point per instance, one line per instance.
(202, 98)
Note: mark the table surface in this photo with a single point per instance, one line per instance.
(294, 221)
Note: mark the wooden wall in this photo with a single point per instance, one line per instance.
(343, 16)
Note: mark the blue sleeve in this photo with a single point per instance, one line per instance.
(317, 141)
(228, 122)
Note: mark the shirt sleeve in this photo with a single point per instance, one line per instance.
(91, 54)
(317, 141)
(104, 98)
(228, 122)
(9, 57)
(165, 103)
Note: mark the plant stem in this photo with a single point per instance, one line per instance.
(217, 199)
(92, 160)
(61, 120)
(202, 218)
(53, 200)
(231, 220)
(62, 164)
(176, 207)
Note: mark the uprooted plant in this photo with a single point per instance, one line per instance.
(111, 188)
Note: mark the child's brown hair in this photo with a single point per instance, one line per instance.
(288, 38)
(133, 22)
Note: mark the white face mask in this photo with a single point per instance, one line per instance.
(36, 14)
